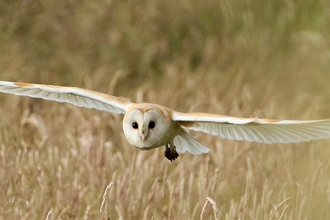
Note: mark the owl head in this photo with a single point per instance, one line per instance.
(145, 126)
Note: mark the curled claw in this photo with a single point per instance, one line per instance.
(170, 153)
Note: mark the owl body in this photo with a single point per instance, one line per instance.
(147, 126)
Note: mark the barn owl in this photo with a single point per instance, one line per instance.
(147, 126)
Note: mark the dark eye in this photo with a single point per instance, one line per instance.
(152, 124)
(135, 125)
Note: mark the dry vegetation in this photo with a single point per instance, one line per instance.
(241, 58)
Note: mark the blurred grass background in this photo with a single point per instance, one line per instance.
(250, 58)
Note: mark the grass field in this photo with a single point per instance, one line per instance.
(252, 58)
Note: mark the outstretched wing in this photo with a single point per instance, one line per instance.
(76, 96)
(254, 129)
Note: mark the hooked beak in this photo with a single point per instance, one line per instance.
(143, 134)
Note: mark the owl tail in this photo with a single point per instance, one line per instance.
(185, 142)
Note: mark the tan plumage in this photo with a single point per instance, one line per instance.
(147, 126)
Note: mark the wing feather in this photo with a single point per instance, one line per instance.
(76, 96)
(184, 142)
(254, 129)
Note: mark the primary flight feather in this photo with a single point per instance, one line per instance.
(147, 126)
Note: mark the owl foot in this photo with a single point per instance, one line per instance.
(170, 153)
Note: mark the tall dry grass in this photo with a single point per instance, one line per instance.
(241, 58)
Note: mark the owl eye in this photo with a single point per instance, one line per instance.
(152, 124)
(135, 125)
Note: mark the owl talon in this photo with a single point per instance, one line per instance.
(171, 154)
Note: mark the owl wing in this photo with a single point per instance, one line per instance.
(185, 142)
(254, 129)
(76, 96)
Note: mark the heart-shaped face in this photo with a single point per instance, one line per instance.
(146, 128)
